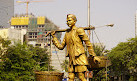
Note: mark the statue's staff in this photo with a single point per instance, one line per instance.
(85, 28)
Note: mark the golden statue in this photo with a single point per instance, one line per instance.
(73, 39)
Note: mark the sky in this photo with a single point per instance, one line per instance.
(121, 13)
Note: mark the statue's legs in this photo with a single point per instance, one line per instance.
(71, 76)
(81, 76)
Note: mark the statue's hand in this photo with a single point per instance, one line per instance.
(96, 59)
(53, 33)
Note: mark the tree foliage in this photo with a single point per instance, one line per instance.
(64, 65)
(99, 75)
(98, 49)
(124, 58)
(19, 62)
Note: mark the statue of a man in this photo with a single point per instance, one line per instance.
(73, 39)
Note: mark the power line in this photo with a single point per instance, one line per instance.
(57, 56)
(99, 41)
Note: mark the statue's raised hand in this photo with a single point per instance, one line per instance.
(53, 33)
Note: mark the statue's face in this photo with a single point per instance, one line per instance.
(70, 22)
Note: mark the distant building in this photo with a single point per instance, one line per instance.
(6, 12)
(37, 28)
(13, 34)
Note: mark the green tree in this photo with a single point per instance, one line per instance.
(99, 49)
(3, 45)
(64, 65)
(124, 58)
(20, 62)
(99, 75)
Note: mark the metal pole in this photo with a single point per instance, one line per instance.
(88, 13)
(106, 68)
(50, 52)
(89, 17)
(89, 31)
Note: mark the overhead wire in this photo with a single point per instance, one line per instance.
(57, 56)
(99, 41)
(103, 48)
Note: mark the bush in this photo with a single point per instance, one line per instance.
(20, 62)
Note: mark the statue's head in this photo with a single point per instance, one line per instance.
(71, 20)
(72, 16)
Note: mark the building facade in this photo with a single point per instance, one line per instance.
(6, 12)
(37, 28)
(13, 34)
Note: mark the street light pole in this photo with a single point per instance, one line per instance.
(88, 13)
(106, 69)
(50, 53)
(89, 17)
(88, 31)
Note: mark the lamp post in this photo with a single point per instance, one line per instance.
(88, 13)
(88, 31)
(105, 54)
(89, 18)
(106, 69)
